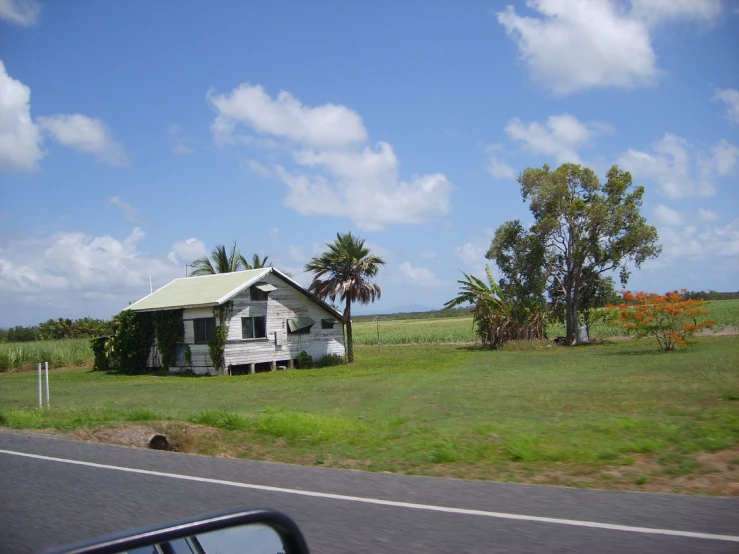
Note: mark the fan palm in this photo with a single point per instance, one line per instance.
(345, 271)
(220, 261)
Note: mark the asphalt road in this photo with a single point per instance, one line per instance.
(47, 503)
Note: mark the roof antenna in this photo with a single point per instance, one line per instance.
(151, 289)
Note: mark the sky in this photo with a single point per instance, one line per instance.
(135, 136)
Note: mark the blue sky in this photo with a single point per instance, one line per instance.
(135, 136)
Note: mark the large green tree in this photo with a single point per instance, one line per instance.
(520, 257)
(346, 271)
(586, 229)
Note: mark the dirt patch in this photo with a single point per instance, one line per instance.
(182, 436)
(724, 331)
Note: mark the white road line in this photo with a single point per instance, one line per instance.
(393, 503)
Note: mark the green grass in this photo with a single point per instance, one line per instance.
(15, 356)
(415, 331)
(459, 329)
(438, 409)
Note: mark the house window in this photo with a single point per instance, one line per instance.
(205, 328)
(254, 327)
(328, 323)
(260, 291)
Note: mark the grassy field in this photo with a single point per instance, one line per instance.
(446, 330)
(614, 415)
(16, 356)
(459, 329)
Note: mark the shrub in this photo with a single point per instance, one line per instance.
(100, 353)
(330, 360)
(667, 317)
(305, 360)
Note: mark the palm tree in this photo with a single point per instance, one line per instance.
(493, 312)
(345, 271)
(256, 262)
(219, 262)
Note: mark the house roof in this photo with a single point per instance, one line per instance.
(204, 290)
(212, 290)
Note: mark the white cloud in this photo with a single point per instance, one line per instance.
(575, 45)
(665, 11)
(21, 12)
(561, 136)
(20, 139)
(73, 274)
(180, 142)
(496, 167)
(337, 173)
(85, 134)
(706, 216)
(273, 233)
(129, 211)
(724, 158)
(472, 255)
(329, 125)
(679, 170)
(667, 216)
(581, 44)
(257, 168)
(372, 199)
(714, 245)
(187, 251)
(730, 97)
(417, 276)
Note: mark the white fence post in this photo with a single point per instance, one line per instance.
(46, 366)
(40, 401)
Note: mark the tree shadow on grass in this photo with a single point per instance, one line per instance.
(475, 348)
(650, 352)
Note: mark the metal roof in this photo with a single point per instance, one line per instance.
(205, 290)
(210, 290)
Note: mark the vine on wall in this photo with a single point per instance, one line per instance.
(169, 330)
(217, 345)
(131, 344)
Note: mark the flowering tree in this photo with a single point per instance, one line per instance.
(670, 318)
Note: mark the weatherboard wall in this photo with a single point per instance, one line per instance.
(286, 302)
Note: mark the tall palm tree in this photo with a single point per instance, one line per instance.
(220, 261)
(256, 262)
(345, 271)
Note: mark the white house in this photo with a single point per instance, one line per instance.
(272, 320)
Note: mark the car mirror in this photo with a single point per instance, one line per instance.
(242, 532)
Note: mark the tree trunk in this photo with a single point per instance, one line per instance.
(570, 311)
(572, 307)
(349, 336)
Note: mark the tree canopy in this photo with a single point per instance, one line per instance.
(223, 261)
(582, 231)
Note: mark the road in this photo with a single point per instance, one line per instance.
(56, 491)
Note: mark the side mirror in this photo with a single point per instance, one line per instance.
(242, 532)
